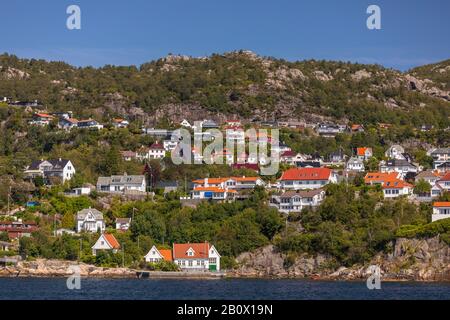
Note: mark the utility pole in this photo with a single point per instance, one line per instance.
(81, 248)
(123, 255)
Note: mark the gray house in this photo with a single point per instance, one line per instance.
(90, 220)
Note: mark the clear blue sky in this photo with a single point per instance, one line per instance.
(136, 31)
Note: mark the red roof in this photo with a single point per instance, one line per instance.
(111, 240)
(200, 250)
(44, 115)
(166, 253)
(441, 204)
(250, 166)
(396, 184)
(380, 177)
(302, 174)
(362, 151)
(289, 154)
(446, 177)
(156, 146)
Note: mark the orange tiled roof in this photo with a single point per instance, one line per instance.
(201, 250)
(396, 184)
(362, 151)
(166, 253)
(380, 176)
(212, 189)
(44, 115)
(441, 204)
(112, 240)
(302, 174)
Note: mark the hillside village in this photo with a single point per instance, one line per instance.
(107, 192)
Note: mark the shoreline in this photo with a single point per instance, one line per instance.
(161, 275)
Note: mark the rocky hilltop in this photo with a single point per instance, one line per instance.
(239, 84)
(411, 259)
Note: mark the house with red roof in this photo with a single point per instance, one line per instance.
(41, 119)
(374, 178)
(156, 255)
(106, 242)
(307, 178)
(120, 123)
(156, 151)
(441, 210)
(196, 256)
(396, 188)
(364, 153)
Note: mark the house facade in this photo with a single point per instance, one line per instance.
(395, 152)
(441, 210)
(364, 153)
(106, 242)
(397, 188)
(403, 167)
(307, 178)
(156, 151)
(90, 220)
(196, 256)
(296, 201)
(355, 164)
(122, 184)
(213, 193)
(123, 224)
(59, 168)
(440, 156)
(89, 124)
(156, 255)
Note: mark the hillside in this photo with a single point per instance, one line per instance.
(237, 83)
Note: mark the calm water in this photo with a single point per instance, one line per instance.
(230, 289)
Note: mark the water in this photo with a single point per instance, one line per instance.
(226, 289)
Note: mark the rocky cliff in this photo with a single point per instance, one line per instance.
(411, 259)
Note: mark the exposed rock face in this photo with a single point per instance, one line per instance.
(361, 74)
(58, 268)
(322, 76)
(13, 73)
(411, 259)
(426, 87)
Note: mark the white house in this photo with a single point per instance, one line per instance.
(355, 164)
(156, 151)
(440, 156)
(156, 255)
(397, 165)
(212, 193)
(396, 188)
(60, 168)
(185, 124)
(170, 145)
(296, 201)
(41, 119)
(90, 220)
(89, 124)
(307, 178)
(106, 242)
(121, 184)
(428, 176)
(196, 256)
(120, 123)
(441, 210)
(67, 123)
(395, 152)
(235, 183)
(364, 153)
(123, 224)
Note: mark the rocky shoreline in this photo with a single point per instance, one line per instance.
(411, 260)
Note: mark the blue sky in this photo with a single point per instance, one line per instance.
(136, 31)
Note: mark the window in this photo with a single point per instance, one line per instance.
(190, 263)
(212, 260)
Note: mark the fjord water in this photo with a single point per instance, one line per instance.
(229, 289)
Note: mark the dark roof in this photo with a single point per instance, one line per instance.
(167, 184)
(56, 163)
(398, 162)
(303, 164)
